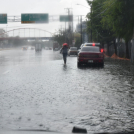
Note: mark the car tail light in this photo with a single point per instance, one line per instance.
(93, 44)
(102, 50)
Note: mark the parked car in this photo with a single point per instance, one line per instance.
(78, 51)
(81, 46)
(73, 51)
(90, 55)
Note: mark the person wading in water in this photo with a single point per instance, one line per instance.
(64, 51)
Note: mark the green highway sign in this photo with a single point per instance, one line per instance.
(34, 18)
(3, 18)
(66, 18)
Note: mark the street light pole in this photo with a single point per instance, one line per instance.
(65, 31)
(82, 5)
(91, 20)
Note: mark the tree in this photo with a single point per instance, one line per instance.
(99, 33)
(77, 38)
(60, 37)
(63, 36)
(118, 16)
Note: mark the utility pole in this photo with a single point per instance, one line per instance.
(34, 32)
(24, 32)
(78, 20)
(70, 21)
(65, 31)
(81, 31)
(61, 30)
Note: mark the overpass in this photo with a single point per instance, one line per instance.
(26, 38)
(28, 34)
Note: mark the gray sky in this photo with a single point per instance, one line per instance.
(52, 7)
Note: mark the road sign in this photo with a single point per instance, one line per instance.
(34, 18)
(66, 18)
(3, 18)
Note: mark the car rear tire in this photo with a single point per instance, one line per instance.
(78, 64)
(102, 64)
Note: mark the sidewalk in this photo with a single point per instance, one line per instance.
(114, 56)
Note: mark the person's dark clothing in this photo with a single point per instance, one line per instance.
(65, 49)
(65, 57)
(65, 52)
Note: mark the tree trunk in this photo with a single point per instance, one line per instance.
(102, 45)
(108, 48)
(115, 47)
(127, 50)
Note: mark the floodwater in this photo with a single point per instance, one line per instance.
(38, 92)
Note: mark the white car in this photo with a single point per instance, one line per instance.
(73, 51)
(81, 46)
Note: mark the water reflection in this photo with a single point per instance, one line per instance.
(38, 53)
(119, 65)
(92, 66)
(132, 69)
(64, 67)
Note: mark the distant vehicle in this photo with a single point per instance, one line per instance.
(32, 48)
(56, 49)
(46, 48)
(90, 55)
(50, 48)
(24, 48)
(38, 47)
(73, 51)
(55, 46)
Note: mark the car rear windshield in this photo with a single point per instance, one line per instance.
(73, 48)
(91, 49)
(91, 44)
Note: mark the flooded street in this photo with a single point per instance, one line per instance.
(38, 92)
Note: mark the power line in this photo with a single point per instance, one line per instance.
(104, 10)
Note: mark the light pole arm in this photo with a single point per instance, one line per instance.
(83, 6)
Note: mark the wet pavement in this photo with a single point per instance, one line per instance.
(38, 92)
